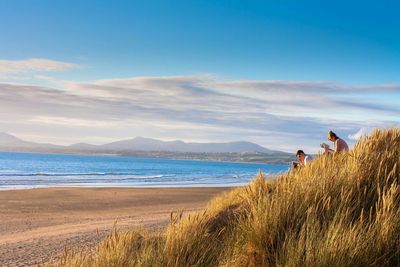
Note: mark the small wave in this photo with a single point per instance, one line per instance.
(61, 174)
(128, 175)
(149, 176)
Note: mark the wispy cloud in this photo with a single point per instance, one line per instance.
(34, 65)
(278, 114)
(359, 134)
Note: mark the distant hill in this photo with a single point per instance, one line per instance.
(9, 142)
(241, 151)
(82, 146)
(148, 144)
(140, 144)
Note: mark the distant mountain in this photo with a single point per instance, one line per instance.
(148, 144)
(82, 146)
(11, 143)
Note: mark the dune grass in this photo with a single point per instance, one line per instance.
(341, 210)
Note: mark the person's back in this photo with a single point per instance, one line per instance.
(307, 159)
(341, 145)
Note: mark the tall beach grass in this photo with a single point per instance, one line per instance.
(341, 210)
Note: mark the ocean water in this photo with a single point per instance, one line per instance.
(30, 170)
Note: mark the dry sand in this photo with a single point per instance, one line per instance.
(36, 224)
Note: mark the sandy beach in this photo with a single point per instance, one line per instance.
(37, 224)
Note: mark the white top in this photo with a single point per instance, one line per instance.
(307, 160)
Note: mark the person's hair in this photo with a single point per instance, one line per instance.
(299, 152)
(332, 134)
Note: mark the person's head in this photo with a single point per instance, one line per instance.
(300, 155)
(332, 136)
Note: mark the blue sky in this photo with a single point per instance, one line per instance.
(315, 65)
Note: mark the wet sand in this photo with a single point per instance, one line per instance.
(37, 224)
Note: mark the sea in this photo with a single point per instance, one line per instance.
(34, 170)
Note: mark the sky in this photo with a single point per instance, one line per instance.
(277, 73)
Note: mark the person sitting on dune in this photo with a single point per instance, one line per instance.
(339, 144)
(303, 159)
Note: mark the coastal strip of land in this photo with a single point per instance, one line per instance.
(37, 224)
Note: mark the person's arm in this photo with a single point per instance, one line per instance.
(328, 150)
(295, 165)
(338, 146)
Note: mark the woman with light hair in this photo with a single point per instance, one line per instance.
(339, 145)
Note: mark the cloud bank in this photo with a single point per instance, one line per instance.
(284, 115)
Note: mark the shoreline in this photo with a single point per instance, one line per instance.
(37, 224)
(197, 186)
(146, 157)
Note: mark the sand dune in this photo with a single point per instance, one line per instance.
(37, 224)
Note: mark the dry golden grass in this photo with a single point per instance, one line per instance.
(341, 210)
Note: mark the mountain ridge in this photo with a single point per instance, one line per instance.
(11, 143)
